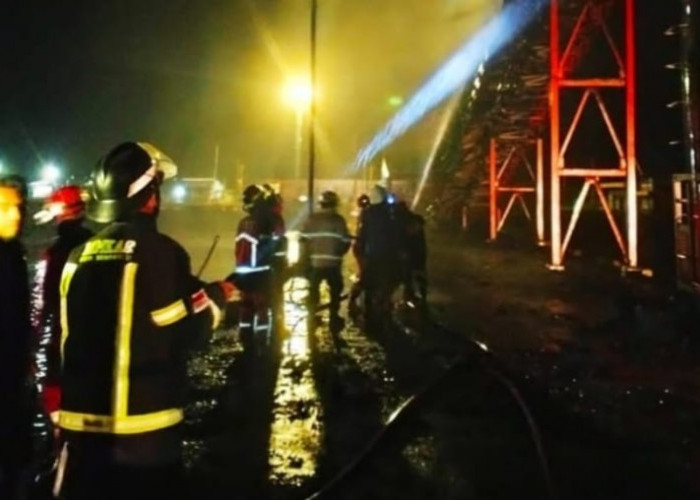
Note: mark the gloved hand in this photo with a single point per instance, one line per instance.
(231, 293)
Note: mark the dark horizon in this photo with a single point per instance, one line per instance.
(189, 77)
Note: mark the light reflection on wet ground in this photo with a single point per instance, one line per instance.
(365, 393)
(295, 437)
(207, 377)
(369, 356)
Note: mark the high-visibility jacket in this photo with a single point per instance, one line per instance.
(259, 241)
(326, 238)
(45, 307)
(130, 310)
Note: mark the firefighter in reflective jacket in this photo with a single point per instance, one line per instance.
(326, 239)
(130, 311)
(66, 208)
(258, 238)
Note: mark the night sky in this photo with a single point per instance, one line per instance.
(78, 77)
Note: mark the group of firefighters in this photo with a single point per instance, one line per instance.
(389, 248)
(116, 314)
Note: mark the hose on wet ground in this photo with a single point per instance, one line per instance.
(207, 258)
(477, 356)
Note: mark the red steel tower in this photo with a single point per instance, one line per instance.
(563, 128)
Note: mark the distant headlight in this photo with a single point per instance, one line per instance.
(179, 193)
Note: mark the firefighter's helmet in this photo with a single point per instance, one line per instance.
(272, 198)
(362, 201)
(64, 204)
(328, 199)
(125, 178)
(378, 194)
(253, 195)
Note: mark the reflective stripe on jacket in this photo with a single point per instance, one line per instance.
(130, 309)
(258, 243)
(326, 237)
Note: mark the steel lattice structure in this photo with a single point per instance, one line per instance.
(521, 88)
(503, 181)
(562, 79)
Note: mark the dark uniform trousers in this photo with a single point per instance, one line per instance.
(333, 276)
(91, 473)
(131, 312)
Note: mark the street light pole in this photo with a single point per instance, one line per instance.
(298, 142)
(312, 108)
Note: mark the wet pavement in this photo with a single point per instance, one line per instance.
(610, 400)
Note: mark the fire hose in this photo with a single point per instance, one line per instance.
(207, 258)
(476, 357)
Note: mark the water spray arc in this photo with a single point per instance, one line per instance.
(442, 130)
(458, 70)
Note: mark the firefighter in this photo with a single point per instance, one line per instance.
(257, 241)
(130, 312)
(378, 244)
(326, 239)
(275, 205)
(414, 255)
(15, 343)
(362, 202)
(66, 208)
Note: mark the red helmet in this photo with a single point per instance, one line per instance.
(64, 204)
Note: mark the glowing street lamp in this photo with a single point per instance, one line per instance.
(298, 94)
(50, 173)
(395, 101)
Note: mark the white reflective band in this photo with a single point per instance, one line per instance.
(247, 237)
(325, 235)
(326, 257)
(253, 246)
(143, 181)
(260, 326)
(244, 325)
(249, 270)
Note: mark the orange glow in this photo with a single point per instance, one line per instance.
(298, 93)
(10, 216)
(561, 69)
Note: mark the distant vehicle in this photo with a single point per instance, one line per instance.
(40, 190)
(197, 191)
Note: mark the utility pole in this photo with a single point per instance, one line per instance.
(312, 108)
(216, 161)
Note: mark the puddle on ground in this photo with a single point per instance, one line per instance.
(295, 436)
